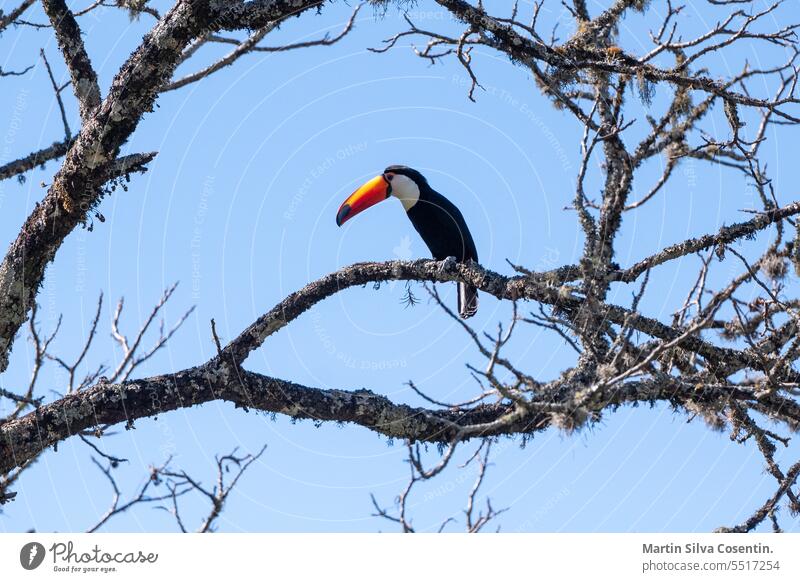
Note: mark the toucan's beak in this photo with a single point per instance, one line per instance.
(367, 195)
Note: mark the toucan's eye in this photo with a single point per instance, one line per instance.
(389, 177)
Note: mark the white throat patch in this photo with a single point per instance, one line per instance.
(405, 190)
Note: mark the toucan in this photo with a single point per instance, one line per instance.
(437, 220)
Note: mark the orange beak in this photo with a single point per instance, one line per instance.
(367, 195)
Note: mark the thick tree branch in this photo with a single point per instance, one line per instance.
(108, 404)
(68, 34)
(223, 378)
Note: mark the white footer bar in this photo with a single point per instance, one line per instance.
(390, 557)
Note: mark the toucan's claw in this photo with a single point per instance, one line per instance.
(448, 265)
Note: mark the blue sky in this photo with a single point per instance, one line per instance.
(239, 207)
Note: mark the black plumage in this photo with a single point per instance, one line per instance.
(443, 228)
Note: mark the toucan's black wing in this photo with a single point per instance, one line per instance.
(443, 228)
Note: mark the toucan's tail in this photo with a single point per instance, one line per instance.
(467, 300)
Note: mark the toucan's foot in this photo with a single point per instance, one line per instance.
(447, 265)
